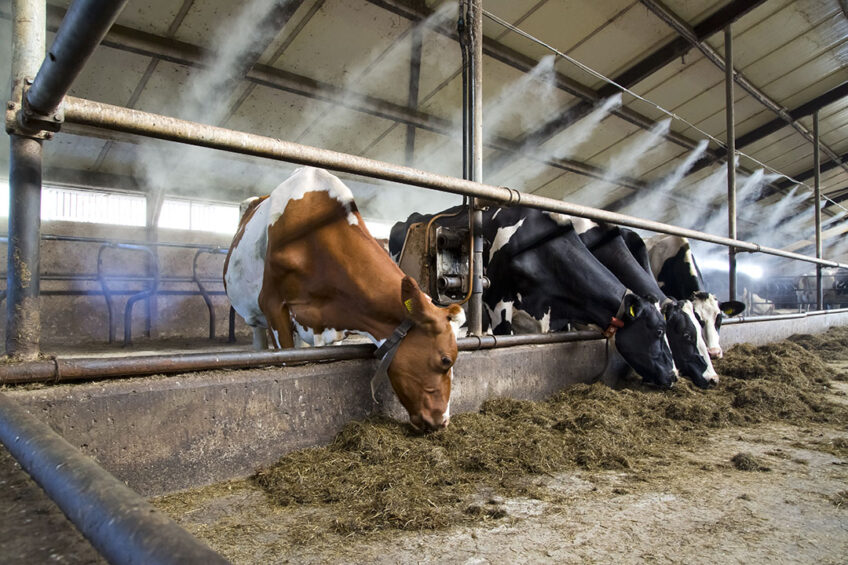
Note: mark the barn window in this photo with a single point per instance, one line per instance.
(68, 205)
(199, 216)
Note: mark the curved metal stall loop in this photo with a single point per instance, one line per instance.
(203, 292)
(109, 292)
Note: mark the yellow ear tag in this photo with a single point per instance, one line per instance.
(408, 304)
(728, 312)
(632, 312)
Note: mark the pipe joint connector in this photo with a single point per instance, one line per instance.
(24, 120)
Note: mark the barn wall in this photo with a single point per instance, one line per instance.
(83, 319)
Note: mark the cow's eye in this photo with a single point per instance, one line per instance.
(659, 333)
(446, 361)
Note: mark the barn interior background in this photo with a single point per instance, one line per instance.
(619, 105)
(382, 79)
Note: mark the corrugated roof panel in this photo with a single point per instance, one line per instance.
(686, 85)
(179, 91)
(351, 50)
(446, 102)
(745, 107)
(276, 113)
(388, 77)
(440, 59)
(758, 39)
(627, 38)
(694, 11)
(294, 25)
(810, 45)
(561, 24)
(515, 103)
(527, 175)
(606, 134)
(152, 16)
(822, 85)
(110, 76)
(811, 72)
(72, 151)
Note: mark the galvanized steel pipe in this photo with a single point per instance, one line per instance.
(71, 369)
(23, 314)
(107, 116)
(117, 521)
(818, 210)
(731, 158)
(84, 26)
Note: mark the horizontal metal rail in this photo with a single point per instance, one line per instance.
(775, 317)
(64, 370)
(116, 118)
(84, 239)
(118, 522)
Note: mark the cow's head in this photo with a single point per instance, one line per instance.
(687, 343)
(642, 342)
(422, 369)
(710, 312)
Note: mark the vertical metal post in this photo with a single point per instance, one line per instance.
(414, 80)
(817, 188)
(472, 13)
(23, 314)
(731, 159)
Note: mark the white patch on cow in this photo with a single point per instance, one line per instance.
(561, 219)
(498, 211)
(303, 181)
(327, 337)
(582, 225)
(503, 236)
(710, 372)
(352, 219)
(276, 338)
(546, 322)
(456, 322)
(707, 309)
(246, 268)
(501, 311)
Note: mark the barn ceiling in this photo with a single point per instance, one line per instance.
(381, 78)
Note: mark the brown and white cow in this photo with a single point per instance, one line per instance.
(303, 261)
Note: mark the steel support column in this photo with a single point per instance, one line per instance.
(471, 39)
(817, 190)
(731, 159)
(23, 314)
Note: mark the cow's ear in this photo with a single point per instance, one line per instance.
(632, 307)
(456, 317)
(731, 308)
(417, 303)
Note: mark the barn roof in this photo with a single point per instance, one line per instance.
(381, 78)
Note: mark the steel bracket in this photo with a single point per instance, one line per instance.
(23, 120)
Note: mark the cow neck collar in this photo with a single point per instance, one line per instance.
(386, 354)
(615, 321)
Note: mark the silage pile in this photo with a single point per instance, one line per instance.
(832, 345)
(379, 474)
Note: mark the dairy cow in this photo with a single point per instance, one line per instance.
(540, 270)
(303, 262)
(672, 263)
(688, 347)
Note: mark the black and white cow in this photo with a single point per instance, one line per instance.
(540, 270)
(672, 263)
(688, 347)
